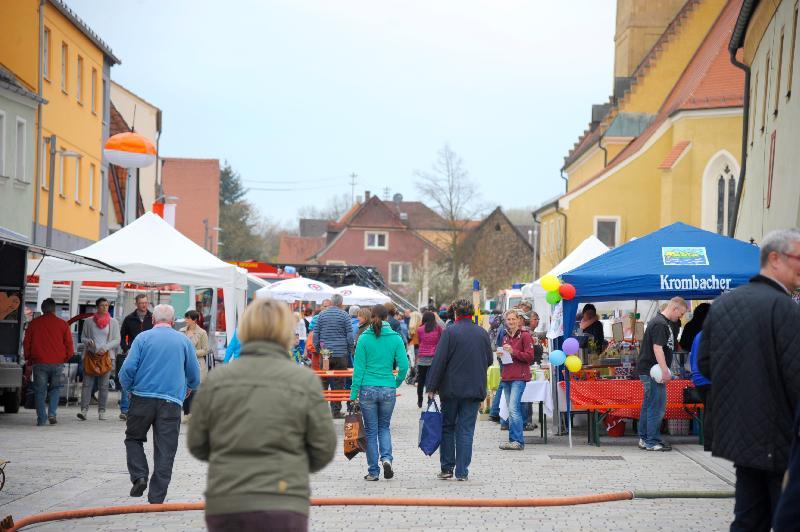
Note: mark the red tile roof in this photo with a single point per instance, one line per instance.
(673, 155)
(297, 249)
(708, 71)
(418, 215)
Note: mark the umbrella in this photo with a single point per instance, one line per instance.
(360, 295)
(297, 289)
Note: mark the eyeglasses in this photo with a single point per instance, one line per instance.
(795, 257)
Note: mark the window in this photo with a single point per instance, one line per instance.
(778, 79)
(79, 84)
(20, 163)
(60, 175)
(791, 53)
(754, 108)
(2, 143)
(726, 200)
(46, 54)
(606, 229)
(335, 263)
(64, 66)
(103, 187)
(77, 180)
(91, 186)
(399, 272)
(766, 96)
(376, 240)
(94, 90)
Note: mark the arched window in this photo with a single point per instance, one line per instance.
(719, 194)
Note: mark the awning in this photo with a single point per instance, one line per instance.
(50, 252)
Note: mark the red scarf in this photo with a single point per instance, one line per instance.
(102, 321)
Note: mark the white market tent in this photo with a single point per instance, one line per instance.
(297, 289)
(149, 250)
(586, 251)
(360, 295)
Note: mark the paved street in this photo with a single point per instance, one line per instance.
(82, 464)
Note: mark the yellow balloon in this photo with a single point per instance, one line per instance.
(573, 363)
(550, 283)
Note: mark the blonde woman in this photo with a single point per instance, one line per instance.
(199, 339)
(260, 458)
(415, 320)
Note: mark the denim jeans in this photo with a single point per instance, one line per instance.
(89, 381)
(165, 419)
(652, 413)
(46, 380)
(458, 429)
(377, 405)
(512, 391)
(494, 410)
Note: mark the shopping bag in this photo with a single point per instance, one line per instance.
(355, 439)
(430, 428)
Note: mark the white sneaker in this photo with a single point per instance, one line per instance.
(101, 416)
(642, 444)
(185, 419)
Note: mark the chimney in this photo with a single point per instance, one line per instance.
(367, 195)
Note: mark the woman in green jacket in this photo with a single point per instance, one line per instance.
(259, 457)
(374, 384)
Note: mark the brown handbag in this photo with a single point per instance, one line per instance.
(355, 439)
(94, 364)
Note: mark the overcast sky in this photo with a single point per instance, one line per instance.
(298, 94)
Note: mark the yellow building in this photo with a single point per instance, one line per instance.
(55, 54)
(665, 148)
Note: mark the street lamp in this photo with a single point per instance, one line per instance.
(206, 239)
(132, 151)
(166, 198)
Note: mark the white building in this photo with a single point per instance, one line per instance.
(766, 41)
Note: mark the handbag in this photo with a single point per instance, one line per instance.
(355, 439)
(430, 428)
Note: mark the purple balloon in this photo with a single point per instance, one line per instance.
(570, 346)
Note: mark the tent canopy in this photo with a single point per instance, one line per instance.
(360, 295)
(677, 260)
(149, 250)
(297, 289)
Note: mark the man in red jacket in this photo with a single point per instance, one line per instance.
(48, 345)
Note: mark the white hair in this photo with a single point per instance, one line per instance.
(337, 300)
(353, 310)
(163, 314)
(780, 241)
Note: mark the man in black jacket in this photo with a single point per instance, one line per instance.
(458, 375)
(136, 322)
(750, 350)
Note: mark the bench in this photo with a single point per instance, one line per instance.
(597, 413)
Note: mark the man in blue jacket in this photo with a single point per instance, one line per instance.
(161, 370)
(458, 375)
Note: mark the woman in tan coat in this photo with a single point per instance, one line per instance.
(199, 339)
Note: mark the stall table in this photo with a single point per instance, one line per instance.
(593, 395)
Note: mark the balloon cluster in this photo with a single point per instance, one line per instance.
(567, 356)
(556, 291)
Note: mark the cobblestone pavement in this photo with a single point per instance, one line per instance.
(77, 464)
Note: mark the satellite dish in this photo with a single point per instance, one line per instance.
(397, 198)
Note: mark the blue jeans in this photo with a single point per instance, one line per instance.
(377, 405)
(512, 390)
(495, 408)
(458, 429)
(653, 407)
(46, 380)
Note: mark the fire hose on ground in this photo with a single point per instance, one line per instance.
(9, 525)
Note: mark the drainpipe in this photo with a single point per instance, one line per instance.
(605, 150)
(566, 180)
(745, 124)
(37, 189)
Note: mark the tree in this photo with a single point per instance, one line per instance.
(335, 208)
(238, 219)
(454, 196)
(440, 282)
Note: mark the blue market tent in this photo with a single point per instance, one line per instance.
(677, 260)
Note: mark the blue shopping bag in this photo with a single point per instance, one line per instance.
(430, 429)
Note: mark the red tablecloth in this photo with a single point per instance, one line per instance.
(610, 392)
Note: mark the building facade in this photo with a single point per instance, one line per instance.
(193, 184)
(17, 155)
(55, 54)
(766, 39)
(666, 149)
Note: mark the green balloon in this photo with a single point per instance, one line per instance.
(553, 297)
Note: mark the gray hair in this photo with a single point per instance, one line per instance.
(353, 310)
(163, 314)
(779, 241)
(337, 300)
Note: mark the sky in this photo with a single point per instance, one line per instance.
(298, 94)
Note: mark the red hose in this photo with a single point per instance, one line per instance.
(11, 526)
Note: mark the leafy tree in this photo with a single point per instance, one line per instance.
(333, 210)
(454, 196)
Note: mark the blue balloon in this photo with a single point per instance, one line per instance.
(557, 357)
(571, 346)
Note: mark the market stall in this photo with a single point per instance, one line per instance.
(297, 289)
(360, 295)
(677, 260)
(149, 250)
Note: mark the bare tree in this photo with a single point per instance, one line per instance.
(454, 196)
